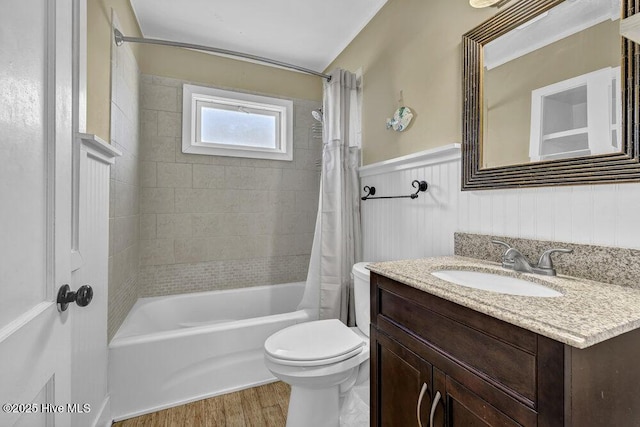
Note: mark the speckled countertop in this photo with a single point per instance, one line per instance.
(587, 313)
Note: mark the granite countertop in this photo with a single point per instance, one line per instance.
(587, 313)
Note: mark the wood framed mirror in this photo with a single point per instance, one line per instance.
(582, 122)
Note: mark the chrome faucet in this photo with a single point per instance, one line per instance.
(513, 259)
(517, 261)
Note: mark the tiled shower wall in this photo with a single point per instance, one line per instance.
(602, 215)
(124, 215)
(212, 222)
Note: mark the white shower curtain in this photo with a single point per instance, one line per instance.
(337, 242)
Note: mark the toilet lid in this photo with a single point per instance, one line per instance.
(313, 343)
(360, 270)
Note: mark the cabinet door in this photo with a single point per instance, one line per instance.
(402, 390)
(456, 406)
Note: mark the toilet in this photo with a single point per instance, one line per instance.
(321, 360)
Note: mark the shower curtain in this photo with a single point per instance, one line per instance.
(337, 241)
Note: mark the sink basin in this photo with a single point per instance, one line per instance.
(496, 283)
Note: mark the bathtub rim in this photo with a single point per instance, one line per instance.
(142, 301)
(147, 300)
(299, 315)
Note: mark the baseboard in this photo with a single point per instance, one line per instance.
(146, 411)
(103, 419)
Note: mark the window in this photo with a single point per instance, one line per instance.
(226, 123)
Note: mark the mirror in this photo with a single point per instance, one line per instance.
(545, 97)
(551, 84)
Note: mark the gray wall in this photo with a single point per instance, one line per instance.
(124, 217)
(213, 222)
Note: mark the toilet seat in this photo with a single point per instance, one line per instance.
(321, 360)
(316, 343)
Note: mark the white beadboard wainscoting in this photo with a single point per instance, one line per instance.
(404, 228)
(411, 228)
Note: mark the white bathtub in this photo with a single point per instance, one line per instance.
(176, 349)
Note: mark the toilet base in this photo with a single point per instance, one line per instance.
(316, 390)
(314, 407)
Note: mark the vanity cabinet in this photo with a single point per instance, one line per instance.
(405, 383)
(431, 358)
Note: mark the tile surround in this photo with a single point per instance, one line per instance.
(167, 279)
(120, 303)
(203, 217)
(124, 200)
(175, 216)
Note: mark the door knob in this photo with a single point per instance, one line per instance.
(82, 296)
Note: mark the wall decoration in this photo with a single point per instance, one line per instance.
(401, 119)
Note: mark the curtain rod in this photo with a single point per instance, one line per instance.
(121, 38)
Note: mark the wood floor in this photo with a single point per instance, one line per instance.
(264, 406)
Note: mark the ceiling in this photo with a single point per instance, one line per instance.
(307, 33)
(565, 19)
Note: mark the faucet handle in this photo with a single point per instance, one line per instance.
(506, 262)
(500, 242)
(545, 259)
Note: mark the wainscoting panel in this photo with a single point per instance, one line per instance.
(591, 214)
(411, 228)
(601, 215)
(94, 158)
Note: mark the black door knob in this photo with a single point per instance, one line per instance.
(82, 296)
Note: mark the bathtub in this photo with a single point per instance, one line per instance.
(180, 348)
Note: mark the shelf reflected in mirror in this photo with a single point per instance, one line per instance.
(545, 98)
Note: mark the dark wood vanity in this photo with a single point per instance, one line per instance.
(438, 363)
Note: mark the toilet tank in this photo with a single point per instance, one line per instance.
(361, 290)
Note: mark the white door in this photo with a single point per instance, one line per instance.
(35, 210)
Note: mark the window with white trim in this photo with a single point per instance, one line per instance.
(227, 123)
